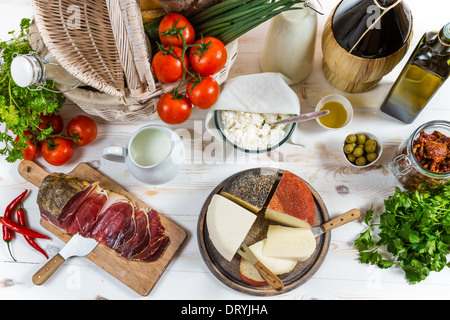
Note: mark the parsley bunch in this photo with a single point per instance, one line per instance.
(414, 229)
(20, 108)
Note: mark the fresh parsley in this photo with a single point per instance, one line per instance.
(415, 231)
(20, 108)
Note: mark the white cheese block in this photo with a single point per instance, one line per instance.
(228, 224)
(276, 265)
(289, 243)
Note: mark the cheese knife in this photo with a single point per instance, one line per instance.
(303, 117)
(77, 246)
(350, 215)
(245, 252)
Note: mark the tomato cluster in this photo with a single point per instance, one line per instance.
(58, 149)
(181, 55)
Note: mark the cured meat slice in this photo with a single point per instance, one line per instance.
(87, 214)
(159, 240)
(115, 225)
(141, 239)
(60, 196)
(78, 206)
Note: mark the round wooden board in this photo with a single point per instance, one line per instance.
(228, 272)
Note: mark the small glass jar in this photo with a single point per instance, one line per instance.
(32, 69)
(406, 166)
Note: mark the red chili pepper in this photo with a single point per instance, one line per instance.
(21, 219)
(14, 226)
(7, 233)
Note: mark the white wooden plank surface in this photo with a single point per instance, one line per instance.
(318, 160)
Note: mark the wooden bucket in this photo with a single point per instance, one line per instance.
(352, 74)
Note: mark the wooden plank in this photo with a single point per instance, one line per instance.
(139, 276)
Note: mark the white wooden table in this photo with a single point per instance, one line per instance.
(318, 160)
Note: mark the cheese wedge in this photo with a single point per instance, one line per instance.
(292, 203)
(228, 224)
(248, 272)
(289, 243)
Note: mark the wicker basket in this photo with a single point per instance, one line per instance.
(104, 45)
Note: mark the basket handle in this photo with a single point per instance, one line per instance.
(132, 46)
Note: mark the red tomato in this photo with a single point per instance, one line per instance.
(58, 152)
(83, 128)
(204, 94)
(169, 26)
(174, 110)
(31, 152)
(209, 57)
(52, 120)
(167, 68)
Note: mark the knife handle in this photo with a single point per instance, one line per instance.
(48, 269)
(350, 215)
(269, 276)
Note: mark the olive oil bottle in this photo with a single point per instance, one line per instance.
(425, 72)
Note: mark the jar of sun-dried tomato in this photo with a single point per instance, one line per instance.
(423, 160)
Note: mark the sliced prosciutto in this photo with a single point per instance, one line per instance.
(159, 240)
(141, 238)
(115, 224)
(76, 206)
(88, 212)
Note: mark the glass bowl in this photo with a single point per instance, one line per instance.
(289, 130)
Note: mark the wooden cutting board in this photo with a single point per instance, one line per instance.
(139, 276)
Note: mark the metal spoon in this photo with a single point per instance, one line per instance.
(303, 117)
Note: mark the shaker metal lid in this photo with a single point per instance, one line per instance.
(446, 32)
(22, 71)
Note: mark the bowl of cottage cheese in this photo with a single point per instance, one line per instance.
(252, 132)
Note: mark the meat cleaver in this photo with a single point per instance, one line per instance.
(77, 246)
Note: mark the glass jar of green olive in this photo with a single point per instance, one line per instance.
(415, 166)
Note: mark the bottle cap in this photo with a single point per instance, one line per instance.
(22, 71)
(446, 33)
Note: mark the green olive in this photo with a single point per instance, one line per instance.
(358, 152)
(361, 161)
(350, 138)
(371, 142)
(372, 157)
(361, 146)
(351, 158)
(370, 148)
(360, 138)
(348, 148)
(354, 145)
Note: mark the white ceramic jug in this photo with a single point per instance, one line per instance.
(154, 154)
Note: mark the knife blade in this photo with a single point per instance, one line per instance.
(350, 215)
(77, 246)
(303, 117)
(245, 252)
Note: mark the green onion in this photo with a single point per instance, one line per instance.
(231, 19)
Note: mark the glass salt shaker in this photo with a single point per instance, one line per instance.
(32, 69)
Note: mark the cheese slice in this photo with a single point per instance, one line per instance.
(290, 243)
(228, 224)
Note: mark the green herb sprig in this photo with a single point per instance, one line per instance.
(414, 229)
(20, 108)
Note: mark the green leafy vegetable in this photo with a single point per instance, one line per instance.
(414, 229)
(20, 108)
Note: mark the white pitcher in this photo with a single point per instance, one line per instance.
(154, 154)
